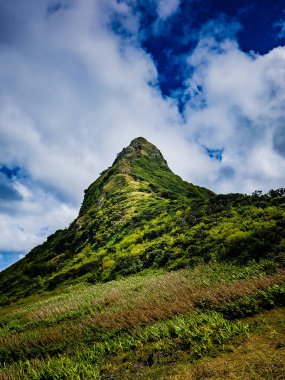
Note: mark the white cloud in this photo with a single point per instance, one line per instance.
(238, 104)
(28, 222)
(166, 8)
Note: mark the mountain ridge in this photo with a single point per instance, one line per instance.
(138, 215)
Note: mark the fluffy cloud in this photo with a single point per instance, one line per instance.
(166, 8)
(237, 103)
(35, 218)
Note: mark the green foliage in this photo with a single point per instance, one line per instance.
(88, 331)
(138, 215)
(198, 333)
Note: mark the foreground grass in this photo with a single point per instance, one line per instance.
(199, 333)
(261, 356)
(136, 325)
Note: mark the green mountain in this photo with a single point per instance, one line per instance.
(139, 215)
(197, 290)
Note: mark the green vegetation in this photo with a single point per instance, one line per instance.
(261, 356)
(156, 278)
(138, 216)
(137, 324)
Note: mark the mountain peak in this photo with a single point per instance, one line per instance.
(139, 141)
(139, 169)
(140, 148)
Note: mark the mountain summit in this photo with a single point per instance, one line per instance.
(139, 215)
(140, 168)
(141, 147)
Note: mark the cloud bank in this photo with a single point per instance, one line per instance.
(76, 86)
(237, 104)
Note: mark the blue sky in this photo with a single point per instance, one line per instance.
(203, 80)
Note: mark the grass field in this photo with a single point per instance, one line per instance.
(189, 324)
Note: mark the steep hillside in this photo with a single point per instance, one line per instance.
(196, 277)
(110, 232)
(138, 215)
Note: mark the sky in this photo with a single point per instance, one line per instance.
(202, 80)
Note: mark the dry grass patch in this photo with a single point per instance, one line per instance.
(172, 295)
(142, 300)
(220, 294)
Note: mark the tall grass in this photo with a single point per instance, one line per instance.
(199, 333)
(146, 319)
(143, 299)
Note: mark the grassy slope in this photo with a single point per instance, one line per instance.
(151, 233)
(258, 356)
(131, 221)
(261, 356)
(137, 325)
(139, 187)
(138, 217)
